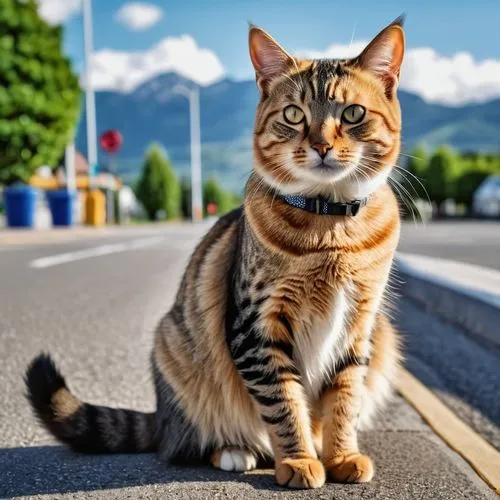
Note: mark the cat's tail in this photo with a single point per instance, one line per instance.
(84, 427)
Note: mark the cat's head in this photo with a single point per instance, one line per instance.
(327, 127)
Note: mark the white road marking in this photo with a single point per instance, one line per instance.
(87, 253)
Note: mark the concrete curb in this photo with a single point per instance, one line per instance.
(477, 313)
(482, 457)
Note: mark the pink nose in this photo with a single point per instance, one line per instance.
(322, 149)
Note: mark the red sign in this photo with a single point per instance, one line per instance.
(111, 141)
(212, 209)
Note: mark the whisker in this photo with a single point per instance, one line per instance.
(407, 172)
(407, 200)
(403, 171)
(352, 36)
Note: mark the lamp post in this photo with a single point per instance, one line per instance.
(69, 161)
(193, 95)
(89, 90)
(111, 141)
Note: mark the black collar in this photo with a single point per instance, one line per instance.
(321, 206)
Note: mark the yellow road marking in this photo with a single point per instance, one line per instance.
(473, 448)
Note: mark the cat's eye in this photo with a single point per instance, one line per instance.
(293, 114)
(353, 114)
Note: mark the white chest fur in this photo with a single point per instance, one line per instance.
(322, 343)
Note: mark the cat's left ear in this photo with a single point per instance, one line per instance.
(384, 55)
(269, 59)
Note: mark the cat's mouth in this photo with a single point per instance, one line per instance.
(325, 166)
(328, 168)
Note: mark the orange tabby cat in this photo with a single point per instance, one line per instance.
(278, 344)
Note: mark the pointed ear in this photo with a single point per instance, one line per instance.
(384, 55)
(269, 59)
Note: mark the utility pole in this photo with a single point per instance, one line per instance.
(89, 91)
(193, 95)
(70, 167)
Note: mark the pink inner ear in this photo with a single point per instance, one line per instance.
(268, 58)
(384, 55)
(381, 60)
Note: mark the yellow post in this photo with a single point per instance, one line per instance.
(95, 208)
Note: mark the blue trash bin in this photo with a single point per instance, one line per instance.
(61, 204)
(20, 204)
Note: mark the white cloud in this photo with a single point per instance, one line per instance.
(124, 71)
(139, 16)
(335, 51)
(58, 11)
(451, 80)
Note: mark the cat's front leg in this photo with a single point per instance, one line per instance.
(341, 406)
(266, 365)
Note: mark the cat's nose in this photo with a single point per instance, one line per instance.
(322, 148)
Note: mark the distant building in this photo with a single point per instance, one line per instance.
(129, 205)
(486, 198)
(81, 164)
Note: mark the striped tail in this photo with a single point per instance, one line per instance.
(84, 427)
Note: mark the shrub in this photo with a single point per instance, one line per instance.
(158, 188)
(418, 162)
(186, 198)
(442, 174)
(213, 193)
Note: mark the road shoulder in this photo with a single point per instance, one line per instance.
(483, 458)
(411, 461)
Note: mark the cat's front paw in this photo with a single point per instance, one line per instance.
(350, 468)
(305, 473)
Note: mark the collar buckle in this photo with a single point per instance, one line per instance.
(353, 208)
(317, 210)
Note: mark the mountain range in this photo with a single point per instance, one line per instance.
(154, 112)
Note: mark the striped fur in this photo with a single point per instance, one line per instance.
(277, 345)
(86, 428)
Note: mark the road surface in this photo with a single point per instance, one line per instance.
(473, 241)
(93, 303)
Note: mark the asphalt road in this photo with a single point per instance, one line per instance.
(96, 316)
(472, 241)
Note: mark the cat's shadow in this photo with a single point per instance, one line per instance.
(55, 470)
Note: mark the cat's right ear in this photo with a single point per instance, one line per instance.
(269, 59)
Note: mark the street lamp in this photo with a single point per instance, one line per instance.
(89, 90)
(193, 95)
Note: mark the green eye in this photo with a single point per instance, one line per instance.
(353, 114)
(293, 114)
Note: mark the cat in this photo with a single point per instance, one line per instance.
(278, 344)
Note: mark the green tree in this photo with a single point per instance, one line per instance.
(236, 200)
(414, 179)
(418, 162)
(39, 92)
(467, 183)
(213, 193)
(158, 188)
(475, 168)
(186, 198)
(441, 174)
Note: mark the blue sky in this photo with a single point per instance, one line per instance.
(451, 28)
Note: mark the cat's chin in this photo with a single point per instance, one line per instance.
(331, 181)
(327, 173)
(328, 170)
(321, 176)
